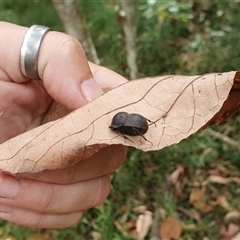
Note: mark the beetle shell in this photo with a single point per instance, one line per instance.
(130, 124)
(118, 120)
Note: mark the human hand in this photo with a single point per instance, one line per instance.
(51, 199)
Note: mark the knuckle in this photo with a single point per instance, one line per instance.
(70, 45)
(37, 221)
(45, 202)
(119, 153)
(71, 219)
(102, 191)
(40, 220)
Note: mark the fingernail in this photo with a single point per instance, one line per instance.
(91, 90)
(9, 186)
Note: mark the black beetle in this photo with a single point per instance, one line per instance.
(132, 124)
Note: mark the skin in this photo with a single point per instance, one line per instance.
(51, 199)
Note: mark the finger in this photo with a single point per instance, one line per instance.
(11, 35)
(62, 65)
(53, 198)
(22, 107)
(103, 162)
(65, 71)
(34, 219)
(106, 78)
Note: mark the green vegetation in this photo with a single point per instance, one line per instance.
(174, 37)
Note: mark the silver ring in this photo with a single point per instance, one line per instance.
(30, 50)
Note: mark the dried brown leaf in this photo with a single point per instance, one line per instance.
(192, 213)
(120, 228)
(140, 209)
(230, 106)
(179, 106)
(220, 171)
(143, 224)
(236, 236)
(57, 111)
(235, 179)
(233, 215)
(8, 238)
(222, 201)
(230, 232)
(218, 179)
(155, 238)
(40, 236)
(176, 174)
(171, 228)
(196, 195)
(190, 227)
(199, 201)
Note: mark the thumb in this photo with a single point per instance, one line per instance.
(65, 72)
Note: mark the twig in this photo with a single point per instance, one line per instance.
(224, 138)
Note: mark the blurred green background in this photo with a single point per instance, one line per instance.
(173, 37)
